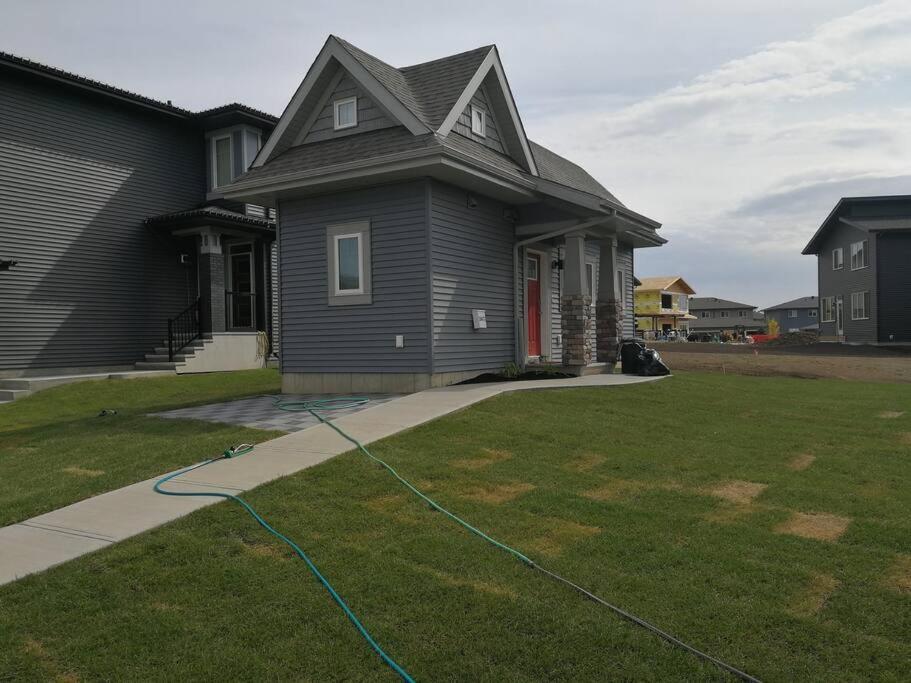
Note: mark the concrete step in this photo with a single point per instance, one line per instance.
(185, 351)
(163, 357)
(13, 394)
(146, 365)
(197, 344)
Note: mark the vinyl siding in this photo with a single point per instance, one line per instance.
(893, 272)
(802, 321)
(463, 123)
(369, 116)
(316, 337)
(845, 281)
(471, 255)
(94, 286)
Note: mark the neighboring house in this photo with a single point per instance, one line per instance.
(863, 257)
(662, 305)
(424, 240)
(111, 209)
(720, 316)
(799, 315)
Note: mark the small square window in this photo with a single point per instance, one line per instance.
(346, 113)
(478, 121)
(813, 312)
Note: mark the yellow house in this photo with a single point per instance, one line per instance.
(662, 305)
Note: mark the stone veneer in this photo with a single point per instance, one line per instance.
(609, 330)
(577, 324)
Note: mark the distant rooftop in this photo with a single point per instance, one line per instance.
(801, 302)
(711, 303)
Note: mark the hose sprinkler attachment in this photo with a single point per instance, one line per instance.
(238, 450)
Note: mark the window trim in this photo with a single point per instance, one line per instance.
(863, 300)
(865, 244)
(335, 107)
(793, 313)
(841, 258)
(364, 293)
(813, 313)
(823, 301)
(215, 138)
(483, 132)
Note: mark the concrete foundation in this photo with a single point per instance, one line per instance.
(370, 382)
(226, 351)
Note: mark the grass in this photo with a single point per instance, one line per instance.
(56, 450)
(671, 499)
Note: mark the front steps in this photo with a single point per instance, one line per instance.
(158, 359)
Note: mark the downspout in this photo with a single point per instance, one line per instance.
(519, 315)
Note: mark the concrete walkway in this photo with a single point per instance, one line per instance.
(47, 540)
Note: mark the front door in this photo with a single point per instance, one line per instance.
(241, 292)
(533, 303)
(839, 316)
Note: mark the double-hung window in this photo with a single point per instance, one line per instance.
(859, 307)
(838, 258)
(348, 250)
(827, 304)
(859, 255)
(792, 313)
(345, 113)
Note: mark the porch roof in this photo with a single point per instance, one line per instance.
(213, 216)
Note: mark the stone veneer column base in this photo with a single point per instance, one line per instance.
(608, 330)
(576, 324)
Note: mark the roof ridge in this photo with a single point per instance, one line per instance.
(487, 48)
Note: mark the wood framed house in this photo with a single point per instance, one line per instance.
(662, 305)
(424, 239)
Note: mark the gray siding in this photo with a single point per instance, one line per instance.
(803, 320)
(369, 116)
(845, 281)
(94, 286)
(316, 337)
(471, 255)
(893, 271)
(276, 310)
(463, 124)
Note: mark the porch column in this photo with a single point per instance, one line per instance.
(211, 270)
(575, 305)
(609, 329)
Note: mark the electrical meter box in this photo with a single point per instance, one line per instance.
(479, 318)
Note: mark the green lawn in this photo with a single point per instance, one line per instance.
(611, 487)
(55, 449)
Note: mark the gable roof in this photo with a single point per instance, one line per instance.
(711, 303)
(553, 167)
(663, 282)
(870, 223)
(801, 302)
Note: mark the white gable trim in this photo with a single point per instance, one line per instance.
(491, 61)
(384, 99)
(318, 107)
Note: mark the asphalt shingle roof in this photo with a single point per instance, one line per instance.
(710, 303)
(553, 167)
(210, 212)
(801, 302)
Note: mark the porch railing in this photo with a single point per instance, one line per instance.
(184, 328)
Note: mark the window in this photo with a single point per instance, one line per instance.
(683, 303)
(221, 161)
(859, 255)
(348, 249)
(813, 312)
(741, 314)
(252, 143)
(620, 285)
(827, 303)
(792, 313)
(590, 280)
(838, 258)
(859, 305)
(667, 300)
(724, 314)
(345, 113)
(478, 121)
(531, 272)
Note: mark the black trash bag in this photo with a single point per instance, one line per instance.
(651, 364)
(631, 357)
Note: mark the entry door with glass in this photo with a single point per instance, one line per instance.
(240, 286)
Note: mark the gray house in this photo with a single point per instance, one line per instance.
(718, 317)
(424, 239)
(798, 315)
(863, 256)
(113, 229)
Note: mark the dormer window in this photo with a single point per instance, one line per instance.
(346, 113)
(478, 121)
(231, 151)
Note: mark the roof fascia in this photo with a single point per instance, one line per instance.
(492, 62)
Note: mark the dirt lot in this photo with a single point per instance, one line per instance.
(870, 364)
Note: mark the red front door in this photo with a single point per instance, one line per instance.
(533, 303)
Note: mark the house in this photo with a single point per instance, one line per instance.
(799, 315)
(863, 262)
(720, 317)
(113, 229)
(662, 305)
(424, 239)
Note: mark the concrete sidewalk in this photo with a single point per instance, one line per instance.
(44, 541)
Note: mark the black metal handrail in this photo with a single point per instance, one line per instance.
(184, 328)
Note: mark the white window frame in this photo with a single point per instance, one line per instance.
(856, 249)
(862, 297)
(840, 263)
(741, 314)
(335, 107)
(360, 264)
(813, 312)
(259, 146)
(725, 314)
(481, 130)
(620, 287)
(827, 312)
(793, 313)
(214, 143)
(591, 270)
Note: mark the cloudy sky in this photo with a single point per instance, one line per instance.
(736, 124)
